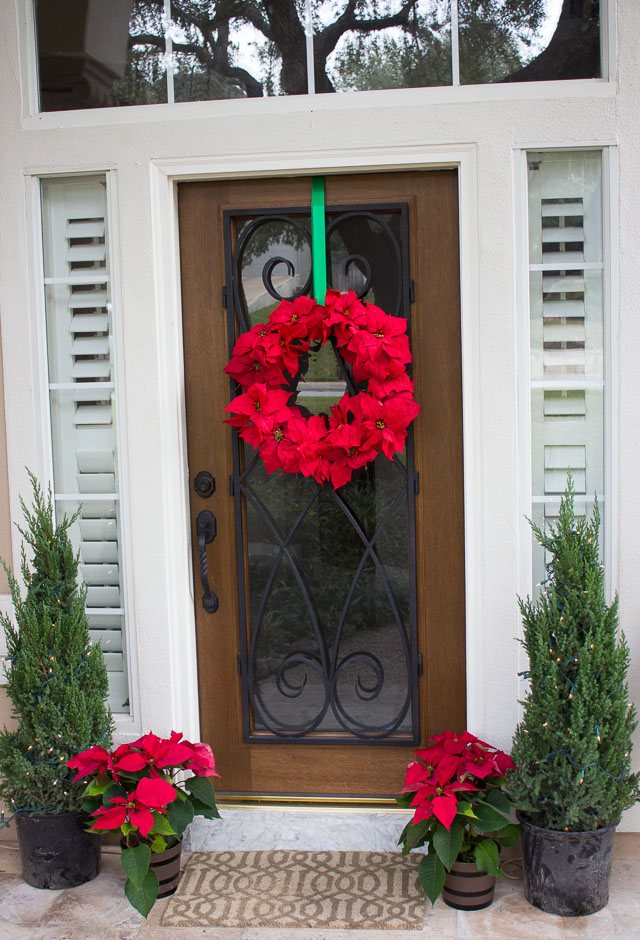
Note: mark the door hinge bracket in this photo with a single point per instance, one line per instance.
(416, 482)
(239, 663)
(419, 664)
(412, 292)
(224, 297)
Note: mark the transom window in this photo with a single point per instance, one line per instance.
(94, 54)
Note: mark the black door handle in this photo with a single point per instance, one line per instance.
(206, 529)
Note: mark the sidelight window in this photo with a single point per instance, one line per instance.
(93, 54)
(82, 396)
(567, 333)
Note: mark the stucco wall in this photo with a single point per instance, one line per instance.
(288, 136)
(5, 520)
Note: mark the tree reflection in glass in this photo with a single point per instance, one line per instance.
(94, 54)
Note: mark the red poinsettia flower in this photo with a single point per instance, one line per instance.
(283, 352)
(301, 448)
(273, 445)
(151, 793)
(348, 447)
(151, 751)
(390, 385)
(254, 367)
(439, 800)
(259, 404)
(503, 763)
(387, 421)
(381, 333)
(95, 760)
(202, 763)
(299, 319)
(346, 314)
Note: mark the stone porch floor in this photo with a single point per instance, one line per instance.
(99, 911)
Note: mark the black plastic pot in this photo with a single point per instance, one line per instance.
(566, 873)
(56, 851)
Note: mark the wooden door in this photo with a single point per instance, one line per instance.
(396, 672)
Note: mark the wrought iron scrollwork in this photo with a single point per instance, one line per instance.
(356, 261)
(337, 691)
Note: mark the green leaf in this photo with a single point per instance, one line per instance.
(415, 834)
(135, 863)
(509, 835)
(180, 815)
(95, 787)
(448, 844)
(487, 858)
(200, 809)
(487, 819)
(431, 874)
(403, 834)
(405, 800)
(464, 809)
(162, 825)
(158, 844)
(144, 897)
(202, 789)
(499, 801)
(111, 791)
(126, 828)
(88, 806)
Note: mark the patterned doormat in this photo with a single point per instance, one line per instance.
(356, 890)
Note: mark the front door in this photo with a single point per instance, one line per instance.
(335, 642)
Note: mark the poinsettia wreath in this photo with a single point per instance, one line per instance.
(266, 364)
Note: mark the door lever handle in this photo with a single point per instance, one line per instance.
(206, 530)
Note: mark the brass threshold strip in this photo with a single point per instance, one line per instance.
(310, 802)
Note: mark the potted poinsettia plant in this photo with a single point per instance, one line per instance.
(139, 790)
(461, 815)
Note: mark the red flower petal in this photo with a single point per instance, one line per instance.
(131, 762)
(142, 819)
(109, 818)
(154, 792)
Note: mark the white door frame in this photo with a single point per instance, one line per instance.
(165, 174)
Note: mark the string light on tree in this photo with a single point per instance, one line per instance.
(53, 672)
(573, 745)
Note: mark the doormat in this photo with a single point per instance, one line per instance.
(356, 890)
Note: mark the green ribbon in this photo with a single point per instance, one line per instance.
(318, 243)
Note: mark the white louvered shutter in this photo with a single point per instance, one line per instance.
(566, 306)
(82, 403)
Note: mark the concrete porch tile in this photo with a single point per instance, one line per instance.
(510, 917)
(267, 933)
(626, 845)
(9, 859)
(619, 920)
(20, 904)
(156, 932)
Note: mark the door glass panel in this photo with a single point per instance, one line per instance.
(326, 577)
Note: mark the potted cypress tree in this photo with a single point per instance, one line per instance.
(572, 748)
(57, 682)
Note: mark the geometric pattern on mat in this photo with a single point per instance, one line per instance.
(357, 890)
